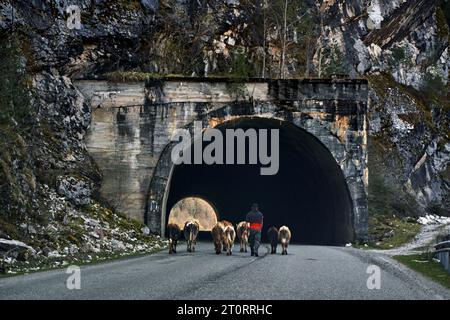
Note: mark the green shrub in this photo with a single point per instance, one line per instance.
(15, 119)
(443, 19)
(386, 194)
(14, 97)
(400, 56)
(335, 62)
(433, 86)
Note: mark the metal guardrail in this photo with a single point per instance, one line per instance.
(443, 254)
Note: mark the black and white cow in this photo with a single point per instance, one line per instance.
(191, 229)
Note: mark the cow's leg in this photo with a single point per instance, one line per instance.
(218, 248)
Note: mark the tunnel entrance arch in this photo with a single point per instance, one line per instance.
(309, 193)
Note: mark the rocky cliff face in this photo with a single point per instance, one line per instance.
(401, 46)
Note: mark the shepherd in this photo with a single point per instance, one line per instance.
(254, 220)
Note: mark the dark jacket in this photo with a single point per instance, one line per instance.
(255, 218)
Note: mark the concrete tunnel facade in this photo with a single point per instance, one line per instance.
(320, 190)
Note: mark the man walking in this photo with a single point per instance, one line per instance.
(255, 221)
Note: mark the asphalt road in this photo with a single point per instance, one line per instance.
(308, 272)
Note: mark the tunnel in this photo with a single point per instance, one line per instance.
(309, 193)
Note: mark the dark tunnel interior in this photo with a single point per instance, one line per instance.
(308, 194)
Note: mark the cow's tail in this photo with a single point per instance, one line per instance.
(229, 237)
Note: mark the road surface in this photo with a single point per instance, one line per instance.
(308, 272)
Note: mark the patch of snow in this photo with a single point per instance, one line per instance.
(375, 16)
(433, 219)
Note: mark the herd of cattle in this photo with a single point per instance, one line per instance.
(224, 235)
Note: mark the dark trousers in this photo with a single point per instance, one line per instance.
(254, 239)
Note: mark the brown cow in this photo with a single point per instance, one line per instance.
(217, 235)
(284, 235)
(174, 233)
(228, 238)
(242, 234)
(272, 234)
(191, 229)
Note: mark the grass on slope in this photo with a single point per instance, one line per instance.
(387, 232)
(425, 265)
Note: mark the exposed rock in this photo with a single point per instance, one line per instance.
(145, 230)
(77, 190)
(407, 27)
(118, 245)
(31, 230)
(416, 157)
(46, 251)
(87, 248)
(14, 245)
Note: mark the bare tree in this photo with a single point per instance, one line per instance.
(321, 47)
(288, 18)
(283, 49)
(263, 72)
